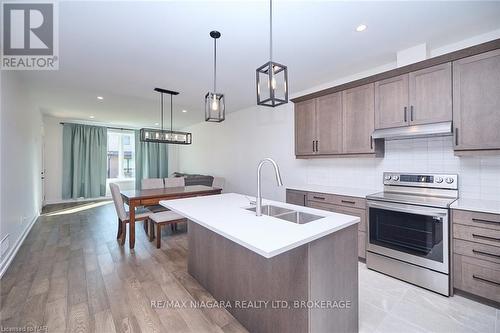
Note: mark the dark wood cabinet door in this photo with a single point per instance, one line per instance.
(430, 95)
(329, 124)
(305, 127)
(358, 119)
(476, 101)
(391, 102)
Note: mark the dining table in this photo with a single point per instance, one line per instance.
(151, 197)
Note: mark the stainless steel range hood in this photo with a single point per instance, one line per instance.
(415, 131)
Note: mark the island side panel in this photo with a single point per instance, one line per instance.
(333, 276)
(230, 272)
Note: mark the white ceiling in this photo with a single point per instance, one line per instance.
(122, 50)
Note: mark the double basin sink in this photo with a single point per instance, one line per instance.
(286, 214)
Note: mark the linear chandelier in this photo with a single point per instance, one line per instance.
(272, 77)
(165, 135)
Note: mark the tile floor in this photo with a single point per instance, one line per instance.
(390, 305)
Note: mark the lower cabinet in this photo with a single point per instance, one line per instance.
(295, 197)
(343, 205)
(476, 253)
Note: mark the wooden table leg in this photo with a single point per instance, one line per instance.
(158, 235)
(131, 237)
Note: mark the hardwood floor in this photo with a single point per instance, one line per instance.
(70, 275)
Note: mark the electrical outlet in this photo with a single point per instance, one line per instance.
(4, 246)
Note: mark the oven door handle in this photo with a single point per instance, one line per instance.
(434, 212)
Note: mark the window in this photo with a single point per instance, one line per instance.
(121, 155)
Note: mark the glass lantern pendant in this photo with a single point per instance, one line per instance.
(215, 107)
(272, 77)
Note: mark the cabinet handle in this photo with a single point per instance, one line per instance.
(317, 145)
(405, 113)
(456, 136)
(371, 142)
(348, 202)
(484, 221)
(486, 238)
(475, 277)
(485, 254)
(411, 113)
(319, 198)
(313, 147)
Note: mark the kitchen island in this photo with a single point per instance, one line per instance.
(272, 274)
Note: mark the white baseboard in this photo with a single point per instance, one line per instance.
(13, 251)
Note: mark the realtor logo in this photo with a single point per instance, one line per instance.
(29, 37)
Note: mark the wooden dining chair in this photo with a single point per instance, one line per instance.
(123, 215)
(175, 182)
(219, 182)
(152, 183)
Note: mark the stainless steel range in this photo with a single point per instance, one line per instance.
(409, 228)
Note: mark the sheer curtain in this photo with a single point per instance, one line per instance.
(84, 161)
(151, 160)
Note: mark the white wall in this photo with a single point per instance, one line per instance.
(21, 137)
(53, 160)
(233, 148)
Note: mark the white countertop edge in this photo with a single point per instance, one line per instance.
(278, 251)
(477, 205)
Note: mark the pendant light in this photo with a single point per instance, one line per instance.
(272, 77)
(215, 107)
(164, 135)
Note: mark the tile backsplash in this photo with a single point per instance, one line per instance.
(478, 176)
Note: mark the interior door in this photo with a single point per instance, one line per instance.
(329, 124)
(305, 127)
(430, 95)
(391, 102)
(358, 119)
(476, 101)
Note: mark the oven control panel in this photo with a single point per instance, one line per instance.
(448, 181)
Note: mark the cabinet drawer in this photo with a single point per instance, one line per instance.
(475, 234)
(361, 213)
(478, 277)
(340, 200)
(296, 197)
(362, 244)
(476, 250)
(321, 197)
(476, 219)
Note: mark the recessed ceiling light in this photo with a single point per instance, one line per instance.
(92, 117)
(157, 124)
(184, 111)
(361, 27)
(100, 98)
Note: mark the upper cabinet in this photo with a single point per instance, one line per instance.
(318, 126)
(358, 114)
(305, 127)
(420, 97)
(455, 93)
(391, 102)
(476, 102)
(430, 95)
(329, 124)
(335, 124)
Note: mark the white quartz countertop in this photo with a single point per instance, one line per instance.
(225, 214)
(477, 205)
(348, 191)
